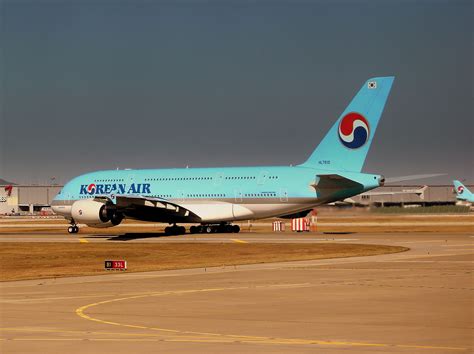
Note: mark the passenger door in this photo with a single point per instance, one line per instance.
(262, 177)
(283, 195)
(238, 195)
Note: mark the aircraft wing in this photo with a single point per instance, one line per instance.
(153, 209)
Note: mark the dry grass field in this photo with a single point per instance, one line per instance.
(49, 260)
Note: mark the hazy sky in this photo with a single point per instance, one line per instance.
(142, 84)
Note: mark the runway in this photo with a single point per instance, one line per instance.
(420, 301)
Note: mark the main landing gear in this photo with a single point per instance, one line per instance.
(214, 228)
(73, 229)
(175, 230)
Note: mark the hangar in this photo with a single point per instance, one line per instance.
(27, 199)
(432, 195)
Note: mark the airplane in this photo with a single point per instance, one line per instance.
(462, 193)
(216, 197)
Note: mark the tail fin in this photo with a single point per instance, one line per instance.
(345, 146)
(461, 191)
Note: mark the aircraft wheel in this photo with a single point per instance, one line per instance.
(235, 229)
(167, 230)
(208, 230)
(193, 230)
(76, 229)
(182, 230)
(70, 229)
(228, 229)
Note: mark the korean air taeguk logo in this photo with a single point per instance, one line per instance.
(460, 189)
(91, 188)
(354, 130)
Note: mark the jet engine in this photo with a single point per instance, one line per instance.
(96, 214)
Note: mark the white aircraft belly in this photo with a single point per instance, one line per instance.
(276, 209)
(224, 211)
(219, 211)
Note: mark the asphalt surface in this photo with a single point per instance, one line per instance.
(419, 301)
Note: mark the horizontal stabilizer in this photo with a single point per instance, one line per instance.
(335, 181)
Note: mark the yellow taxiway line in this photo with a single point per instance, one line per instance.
(209, 337)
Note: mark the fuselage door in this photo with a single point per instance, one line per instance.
(262, 177)
(181, 195)
(218, 178)
(130, 181)
(238, 195)
(283, 195)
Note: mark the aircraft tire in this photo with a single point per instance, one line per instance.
(70, 229)
(235, 229)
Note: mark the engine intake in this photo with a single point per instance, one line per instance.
(96, 214)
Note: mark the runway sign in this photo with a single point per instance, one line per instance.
(115, 265)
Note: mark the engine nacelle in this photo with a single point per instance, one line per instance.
(95, 214)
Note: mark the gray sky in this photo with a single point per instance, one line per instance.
(91, 85)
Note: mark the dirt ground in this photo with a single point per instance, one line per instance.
(49, 260)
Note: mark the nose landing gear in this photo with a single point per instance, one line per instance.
(73, 229)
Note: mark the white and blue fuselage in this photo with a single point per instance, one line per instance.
(214, 194)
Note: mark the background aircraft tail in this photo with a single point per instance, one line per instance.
(461, 191)
(345, 146)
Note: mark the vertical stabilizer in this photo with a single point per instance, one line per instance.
(345, 146)
(462, 192)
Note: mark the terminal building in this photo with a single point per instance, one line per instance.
(31, 199)
(408, 195)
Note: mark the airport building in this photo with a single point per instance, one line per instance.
(29, 199)
(408, 195)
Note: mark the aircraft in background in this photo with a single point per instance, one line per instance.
(215, 197)
(462, 193)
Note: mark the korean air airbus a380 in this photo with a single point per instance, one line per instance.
(215, 197)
